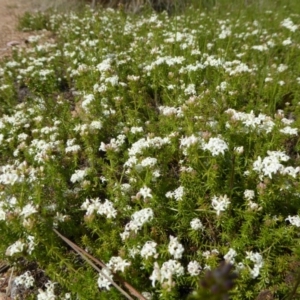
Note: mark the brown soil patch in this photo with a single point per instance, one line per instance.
(10, 11)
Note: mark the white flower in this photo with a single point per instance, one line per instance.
(270, 164)
(102, 281)
(2, 212)
(149, 249)
(170, 268)
(196, 224)
(96, 125)
(116, 263)
(281, 68)
(106, 208)
(230, 256)
(249, 194)
(194, 268)
(288, 23)
(175, 248)
(145, 192)
(48, 294)
(294, 220)
(220, 204)
(176, 194)
(78, 176)
(28, 210)
(31, 244)
(147, 295)
(156, 275)
(289, 130)
(17, 247)
(25, 280)
(149, 162)
(138, 219)
(257, 259)
(216, 146)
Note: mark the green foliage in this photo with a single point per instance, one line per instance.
(165, 145)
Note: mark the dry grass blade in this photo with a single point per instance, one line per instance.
(88, 256)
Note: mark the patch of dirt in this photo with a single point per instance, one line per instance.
(10, 11)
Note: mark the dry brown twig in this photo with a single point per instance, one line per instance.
(88, 257)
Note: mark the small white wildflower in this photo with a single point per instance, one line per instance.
(281, 68)
(156, 274)
(194, 268)
(78, 176)
(294, 220)
(239, 150)
(230, 256)
(149, 249)
(103, 281)
(257, 259)
(289, 130)
(216, 146)
(28, 210)
(48, 294)
(196, 224)
(17, 247)
(116, 263)
(25, 280)
(145, 192)
(96, 125)
(170, 268)
(220, 203)
(249, 194)
(175, 248)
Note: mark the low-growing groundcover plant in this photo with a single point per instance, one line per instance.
(164, 146)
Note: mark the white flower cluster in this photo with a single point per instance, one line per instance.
(20, 246)
(294, 220)
(230, 256)
(175, 248)
(149, 249)
(196, 224)
(216, 146)
(145, 192)
(25, 280)
(107, 209)
(114, 144)
(207, 254)
(138, 219)
(220, 203)
(103, 281)
(138, 147)
(176, 194)
(257, 259)
(79, 175)
(28, 210)
(48, 294)
(262, 123)
(249, 196)
(289, 130)
(271, 165)
(166, 272)
(171, 111)
(194, 268)
(115, 264)
(72, 147)
(288, 23)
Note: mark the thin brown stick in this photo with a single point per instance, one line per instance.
(75, 248)
(86, 255)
